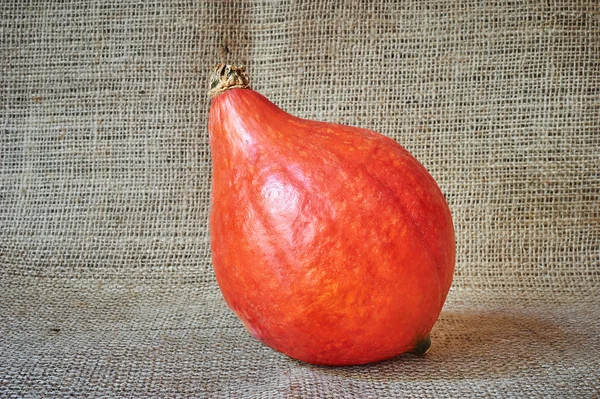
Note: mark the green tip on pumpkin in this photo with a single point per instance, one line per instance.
(423, 346)
(225, 77)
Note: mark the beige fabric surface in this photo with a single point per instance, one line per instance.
(106, 284)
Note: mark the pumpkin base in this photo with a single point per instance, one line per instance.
(423, 346)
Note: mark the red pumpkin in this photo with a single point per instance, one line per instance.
(331, 243)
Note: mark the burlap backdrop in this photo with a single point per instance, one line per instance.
(107, 286)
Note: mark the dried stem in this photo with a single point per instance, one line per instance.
(225, 77)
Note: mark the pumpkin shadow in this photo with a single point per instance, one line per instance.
(471, 344)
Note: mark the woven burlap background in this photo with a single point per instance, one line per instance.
(106, 283)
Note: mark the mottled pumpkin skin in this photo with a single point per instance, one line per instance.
(331, 243)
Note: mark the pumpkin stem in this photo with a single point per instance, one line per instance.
(225, 77)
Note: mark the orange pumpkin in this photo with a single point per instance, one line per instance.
(331, 243)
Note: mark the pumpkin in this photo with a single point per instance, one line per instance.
(331, 243)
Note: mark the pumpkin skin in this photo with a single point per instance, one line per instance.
(332, 244)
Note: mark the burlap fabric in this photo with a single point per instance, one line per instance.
(106, 282)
